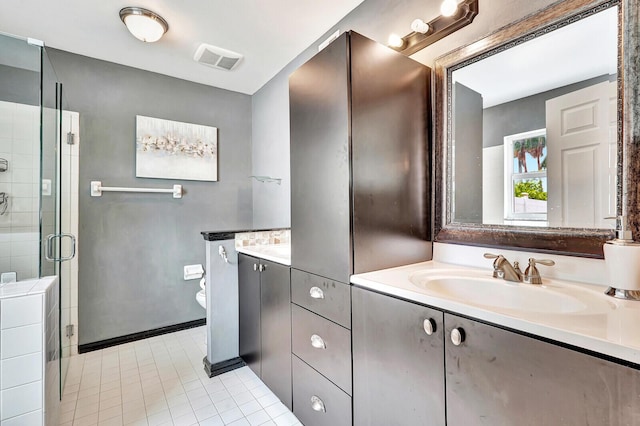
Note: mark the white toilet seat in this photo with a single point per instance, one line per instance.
(201, 298)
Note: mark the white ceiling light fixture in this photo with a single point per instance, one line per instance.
(144, 24)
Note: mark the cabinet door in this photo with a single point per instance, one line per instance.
(398, 369)
(498, 377)
(275, 329)
(249, 295)
(320, 139)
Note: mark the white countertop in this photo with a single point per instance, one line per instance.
(279, 253)
(610, 327)
(27, 287)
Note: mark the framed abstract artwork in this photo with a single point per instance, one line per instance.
(168, 149)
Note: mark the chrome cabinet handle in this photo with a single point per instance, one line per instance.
(317, 342)
(255, 267)
(457, 336)
(316, 293)
(429, 326)
(317, 404)
(262, 267)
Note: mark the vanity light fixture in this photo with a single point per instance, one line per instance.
(144, 24)
(455, 14)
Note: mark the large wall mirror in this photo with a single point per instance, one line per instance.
(529, 133)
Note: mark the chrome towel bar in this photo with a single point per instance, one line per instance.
(97, 189)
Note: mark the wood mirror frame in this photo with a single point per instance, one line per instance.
(570, 241)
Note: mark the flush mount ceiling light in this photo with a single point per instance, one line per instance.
(455, 14)
(144, 24)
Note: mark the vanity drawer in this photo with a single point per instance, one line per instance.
(322, 344)
(317, 401)
(328, 298)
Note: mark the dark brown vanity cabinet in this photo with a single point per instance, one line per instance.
(478, 373)
(265, 322)
(498, 377)
(398, 361)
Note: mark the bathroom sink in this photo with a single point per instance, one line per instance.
(278, 250)
(280, 253)
(498, 294)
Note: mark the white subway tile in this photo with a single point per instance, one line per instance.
(21, 400)
(22, 176)
(21, 161)
(21, 341)
(24, 129)
(23, 248)
(19, 311)
(6, 127)
(29, 419)
(21, 370)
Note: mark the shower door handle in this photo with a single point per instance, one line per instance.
(49, 255)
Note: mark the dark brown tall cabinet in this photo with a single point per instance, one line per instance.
(359, 200)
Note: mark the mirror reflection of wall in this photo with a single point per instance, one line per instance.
(534, 130)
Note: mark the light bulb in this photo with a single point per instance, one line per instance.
(448, 7)
(395, 41)
(419, 26)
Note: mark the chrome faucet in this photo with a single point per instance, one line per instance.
(503, 269)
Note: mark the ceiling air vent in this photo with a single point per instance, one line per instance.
(217, 57)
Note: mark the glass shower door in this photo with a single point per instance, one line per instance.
(58, 244)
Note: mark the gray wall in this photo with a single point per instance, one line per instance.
(374, 19)
(526, 114)
(132, 247)
(19, 85)
(467, 128)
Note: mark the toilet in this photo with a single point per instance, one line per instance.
(201, 296)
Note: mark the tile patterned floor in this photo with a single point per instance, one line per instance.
(161, 381)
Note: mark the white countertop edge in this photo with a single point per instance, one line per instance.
(591, 343)
(256, 252)
(26, 287)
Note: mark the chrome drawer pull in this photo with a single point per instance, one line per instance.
(316, 293)
(317, 342)
(317, 404)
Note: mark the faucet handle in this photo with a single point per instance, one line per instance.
(497, 271)
(545, 262)
(531, 274)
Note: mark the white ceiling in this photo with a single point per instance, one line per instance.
(268, 33)
(577, 52)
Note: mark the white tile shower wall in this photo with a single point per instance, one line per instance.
(29, 355)
(19, 145)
